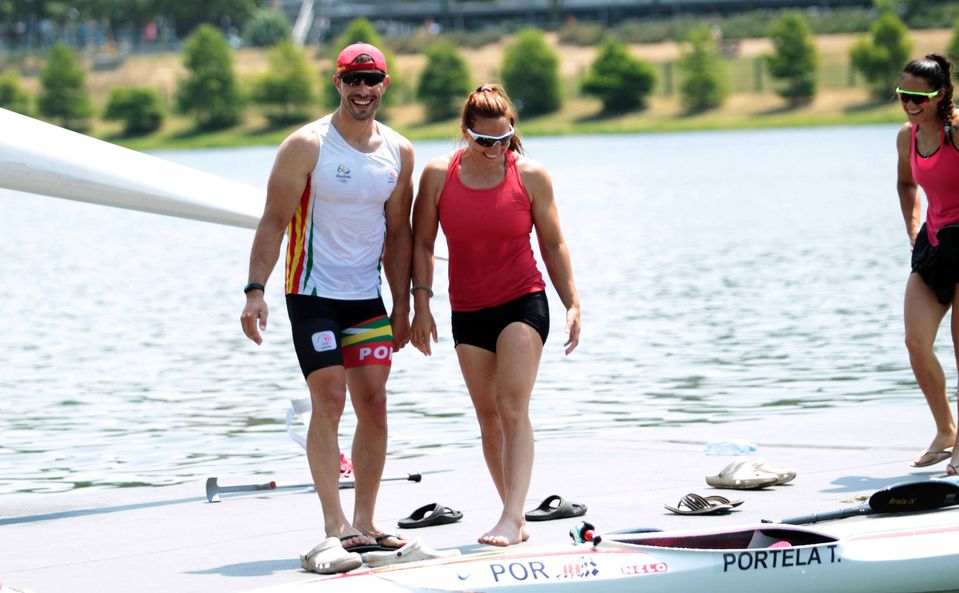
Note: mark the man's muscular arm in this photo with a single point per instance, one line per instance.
(398, 249)
(294, 161)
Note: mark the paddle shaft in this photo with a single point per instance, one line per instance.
(899, 498)
(827, 516)
(213, 490)
(247, 487)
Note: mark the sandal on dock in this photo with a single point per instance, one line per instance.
(694, 504)
(556, 507)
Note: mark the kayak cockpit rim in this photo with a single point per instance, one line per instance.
(742, 539)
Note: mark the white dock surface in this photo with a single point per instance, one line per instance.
(148, 540)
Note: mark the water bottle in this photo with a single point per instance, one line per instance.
(730, 447)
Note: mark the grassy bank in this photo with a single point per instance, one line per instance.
(842, 98)
(578, 117)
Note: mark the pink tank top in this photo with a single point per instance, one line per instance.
(488, 234)
(938, 176)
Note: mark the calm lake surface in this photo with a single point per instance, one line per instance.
(723, 276)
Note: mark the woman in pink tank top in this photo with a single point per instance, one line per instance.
(928, 149)
(488, 198)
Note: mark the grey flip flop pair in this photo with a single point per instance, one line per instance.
(695, 504)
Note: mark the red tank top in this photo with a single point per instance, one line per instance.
(938, 176)
(488, 234)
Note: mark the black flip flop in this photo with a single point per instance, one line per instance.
(694, 504)
(428, 515)
(562, 509)
(364, 548)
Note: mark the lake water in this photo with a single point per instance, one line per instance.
(723, 276)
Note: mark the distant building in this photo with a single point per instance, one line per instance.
(328, 16)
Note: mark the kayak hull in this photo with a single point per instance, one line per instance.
(41, 158)
(878, 558)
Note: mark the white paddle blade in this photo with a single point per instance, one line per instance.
(41, 158)
(300, 410)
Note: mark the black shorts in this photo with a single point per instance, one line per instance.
(328, 332)
(938, 266)
(921, 250)
(482, 328)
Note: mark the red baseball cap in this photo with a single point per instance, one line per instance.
(351, 59)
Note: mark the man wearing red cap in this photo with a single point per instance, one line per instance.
(341, 187)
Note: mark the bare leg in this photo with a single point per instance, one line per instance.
(923, 314)
(953, 467)
(479, 370)
(368, 395)
(328, 395)
(518, 352)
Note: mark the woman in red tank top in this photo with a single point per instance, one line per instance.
(488, 197)
(928, 149)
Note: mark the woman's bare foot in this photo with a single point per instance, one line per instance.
(505, 533)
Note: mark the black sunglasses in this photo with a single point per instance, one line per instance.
(367, 78)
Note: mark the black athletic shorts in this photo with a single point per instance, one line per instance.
(938, 266)
(482, 328)
(328, 332)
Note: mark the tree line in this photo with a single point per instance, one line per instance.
(20, 20)
(287, 92)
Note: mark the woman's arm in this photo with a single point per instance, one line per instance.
(906, 186)
(425, 226)
(552, 245)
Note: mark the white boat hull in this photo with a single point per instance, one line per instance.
(40, 158)
(908, 554)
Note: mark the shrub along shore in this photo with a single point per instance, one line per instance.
(843, 98)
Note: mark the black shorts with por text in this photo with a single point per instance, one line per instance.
(330, 332)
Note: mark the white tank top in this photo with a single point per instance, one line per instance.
(336, 236)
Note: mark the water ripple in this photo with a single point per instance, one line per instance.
(723, 276)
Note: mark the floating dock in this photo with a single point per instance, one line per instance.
(171, 539)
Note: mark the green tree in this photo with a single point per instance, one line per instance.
(362, 31)
(883, 6)
(795, 60)
(952, 52)
(704, 77)
(880, 58)
(621, 81)
(64, 97)
(138, 108)
(531, 73)
(12, 94)
(267, 27)
(914, 11)
(210, 91)
(188, 15)
(444, 83)
(286, 91)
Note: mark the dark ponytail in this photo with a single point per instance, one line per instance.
(937, 71)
